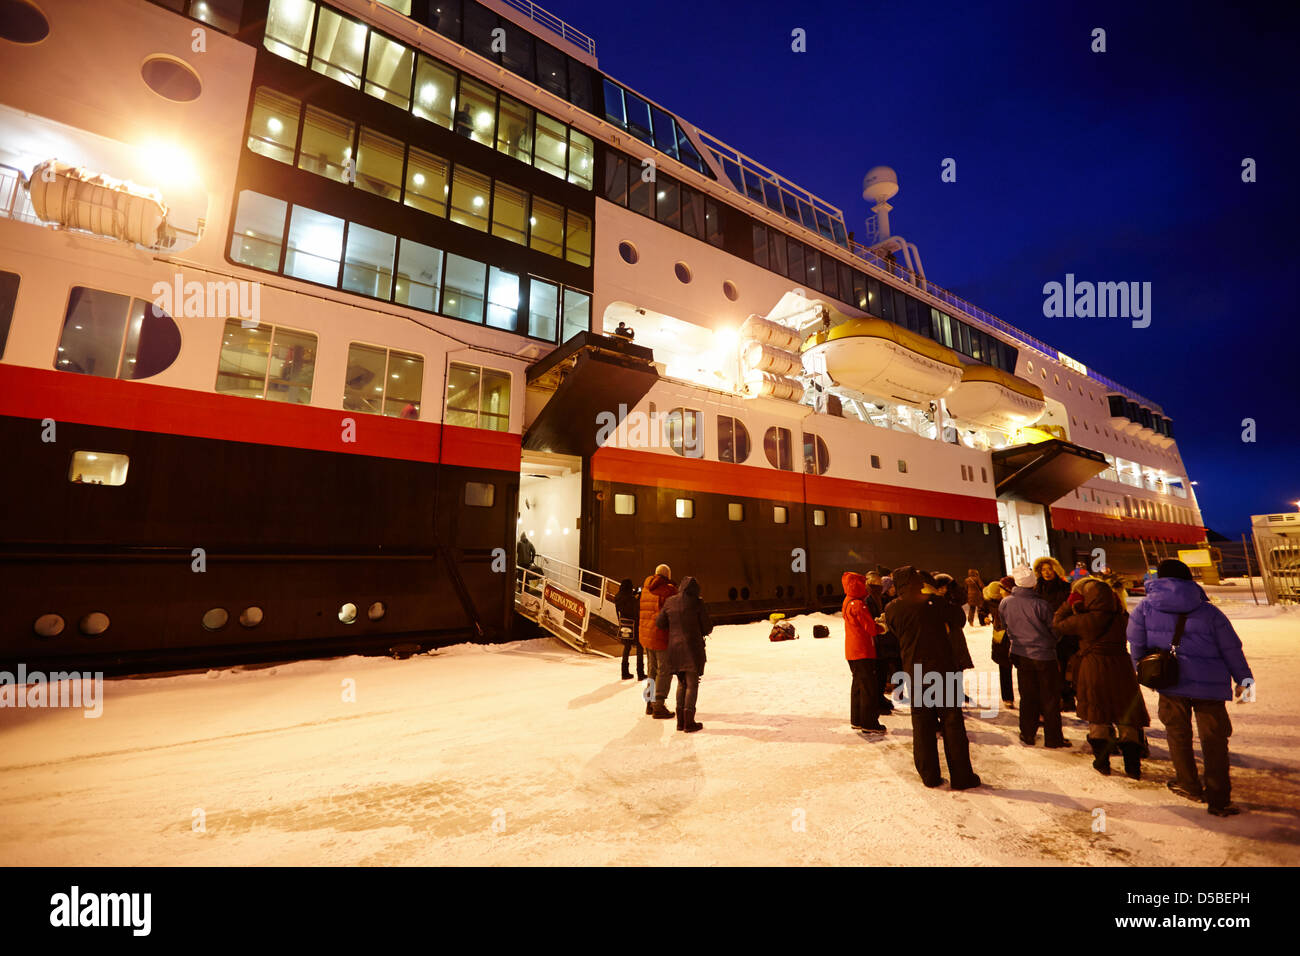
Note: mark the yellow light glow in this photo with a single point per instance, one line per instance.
(167, 164)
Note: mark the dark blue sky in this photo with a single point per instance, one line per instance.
(1121, 166)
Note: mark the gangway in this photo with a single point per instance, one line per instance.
(571, 603)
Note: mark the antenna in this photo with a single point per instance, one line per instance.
(880, 185)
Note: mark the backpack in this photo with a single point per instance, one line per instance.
(821, 630)
(782, 631)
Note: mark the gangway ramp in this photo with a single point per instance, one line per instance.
(572, 604)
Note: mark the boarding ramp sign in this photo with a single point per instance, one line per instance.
(564, 611)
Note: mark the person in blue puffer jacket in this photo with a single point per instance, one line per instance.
(1210, 661)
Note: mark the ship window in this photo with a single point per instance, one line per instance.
(315, 246)
(462, 291)
(383, 381)
(379, 164)
(985, 526)
(640, 195)
(668, 204)
(577, 239)
(476, 111)
(684, 430)
(627, 252)
(419, 276)
(665, 132)
(816, 456)
(614, 105)
(625, 504)
(470, 196)
(733, 440)
(616, 178)
(957, 527)
(551, 70)
(886, 522)
(776, 446)
(115, 336)
(638, 117)
(902, 466)
(327, 145)
(712, 222)
(510, 214)
(340, 48)
(368, 263)
(8, 298)
(685, 507)
(388, 71)
(577, 313)
(912, 524)
(760, 245)
(875, 461)
(819, 517)
(503, 299)
(515, 129)
(426, 182)
(268, 362)
(98, 468)
(855, 520)
(543, 304)
(796, 270)
(273, 128)
(517, 57)
(259, 231)
(480, 494)
(938, 524)
(288, 29)
(551, 153)
(547, 227)
(683, 272)
(435, 88)
(984, 474)
(730, 291)
(580, 86)
(779, 514)
(692, 213)
(478, 397)
(778, 253)
(735, 511)
(581, 162)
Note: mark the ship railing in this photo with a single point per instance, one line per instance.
(554, 24)
(599, 589)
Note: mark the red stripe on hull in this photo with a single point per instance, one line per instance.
(1086, 522)
(139, 406)
(715, 477)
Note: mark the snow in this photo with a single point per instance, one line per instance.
(529, 753)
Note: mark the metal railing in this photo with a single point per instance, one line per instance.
(590, 583)
(554, 24)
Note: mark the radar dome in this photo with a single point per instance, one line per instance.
(880, 184)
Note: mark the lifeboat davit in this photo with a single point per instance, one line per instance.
(883, 360)
(991, 398)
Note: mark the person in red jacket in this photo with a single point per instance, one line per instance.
(658, 588)
(860, 651)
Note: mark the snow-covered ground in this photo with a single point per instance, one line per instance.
(528, 753)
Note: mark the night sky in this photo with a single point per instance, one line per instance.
(1115, 166)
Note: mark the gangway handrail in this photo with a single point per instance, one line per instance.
(583, 580)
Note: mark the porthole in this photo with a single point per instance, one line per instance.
(683, 272)
(48, 625)
(250, 616)
(744, 594)
(628, 253)
(820, 590)
(732, 594)
(730, 291)
(780, 591)
(348, 613)
(20, 22)
(377, 611)
(215, 619)
(171, 79)
(94, 624)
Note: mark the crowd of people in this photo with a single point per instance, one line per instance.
(1070, 640)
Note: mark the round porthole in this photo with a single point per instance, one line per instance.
(21, 22)
(744, 594)
(94, 624)
(216, 619)
(48, 625)
(683, 272)
(628, 252)
(732, 594)
(819, 590)
(780, 591)
(348, 613)
(171, 79)
(377, 611)
(730, 291)
(250, 616)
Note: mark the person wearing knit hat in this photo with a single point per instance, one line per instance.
(664, 571)
(1173, 568)
(657, 589)
(1000, 649)
(1028, 620)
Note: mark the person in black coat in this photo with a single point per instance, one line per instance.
(687, 622)
(626, 604)
(921, 623)
(1054, 588)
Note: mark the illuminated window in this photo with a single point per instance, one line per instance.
(902, 465)
(503, 299)
(419, 276)
(463, 288)
(478, 397)
(268, 362)
(547, 233)
(733, 440)
(379, 164)
(912, 524)
(816, 456)
(471, 194)
(855, 520)
(685, 507)
(259, 231)
(625, 504)
(388, 71)
(776, 446)
(684, 432)
(426, 182)
(273, 128)
(735, 511)
(326, 148)
(435, 88)
(480, 494)
(382, 381)
(476, 111)
(368, 262)
(510, 214)
(115, 336)
(577, 239)
(315, 246)
(98, 468)
(340, 48)
(543, 306)
(515, 129)
(779, 514)
(819, 517)
(886, 522)
(551, 153)
(581, 159)
(288, 29)
(577, 313)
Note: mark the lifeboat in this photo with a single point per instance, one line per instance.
(883, 360)
(990, 398)
(74, 197)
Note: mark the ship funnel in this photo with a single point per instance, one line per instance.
(879, 186)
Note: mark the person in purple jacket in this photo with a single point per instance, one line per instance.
(1210, 661)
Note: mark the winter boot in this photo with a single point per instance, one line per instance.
(1132, 759)
(660, 712)
(689, 724)
(681, 718)
(649, 709)
(1101, 755)
(627, 674)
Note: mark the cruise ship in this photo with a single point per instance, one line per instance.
(310, 311)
